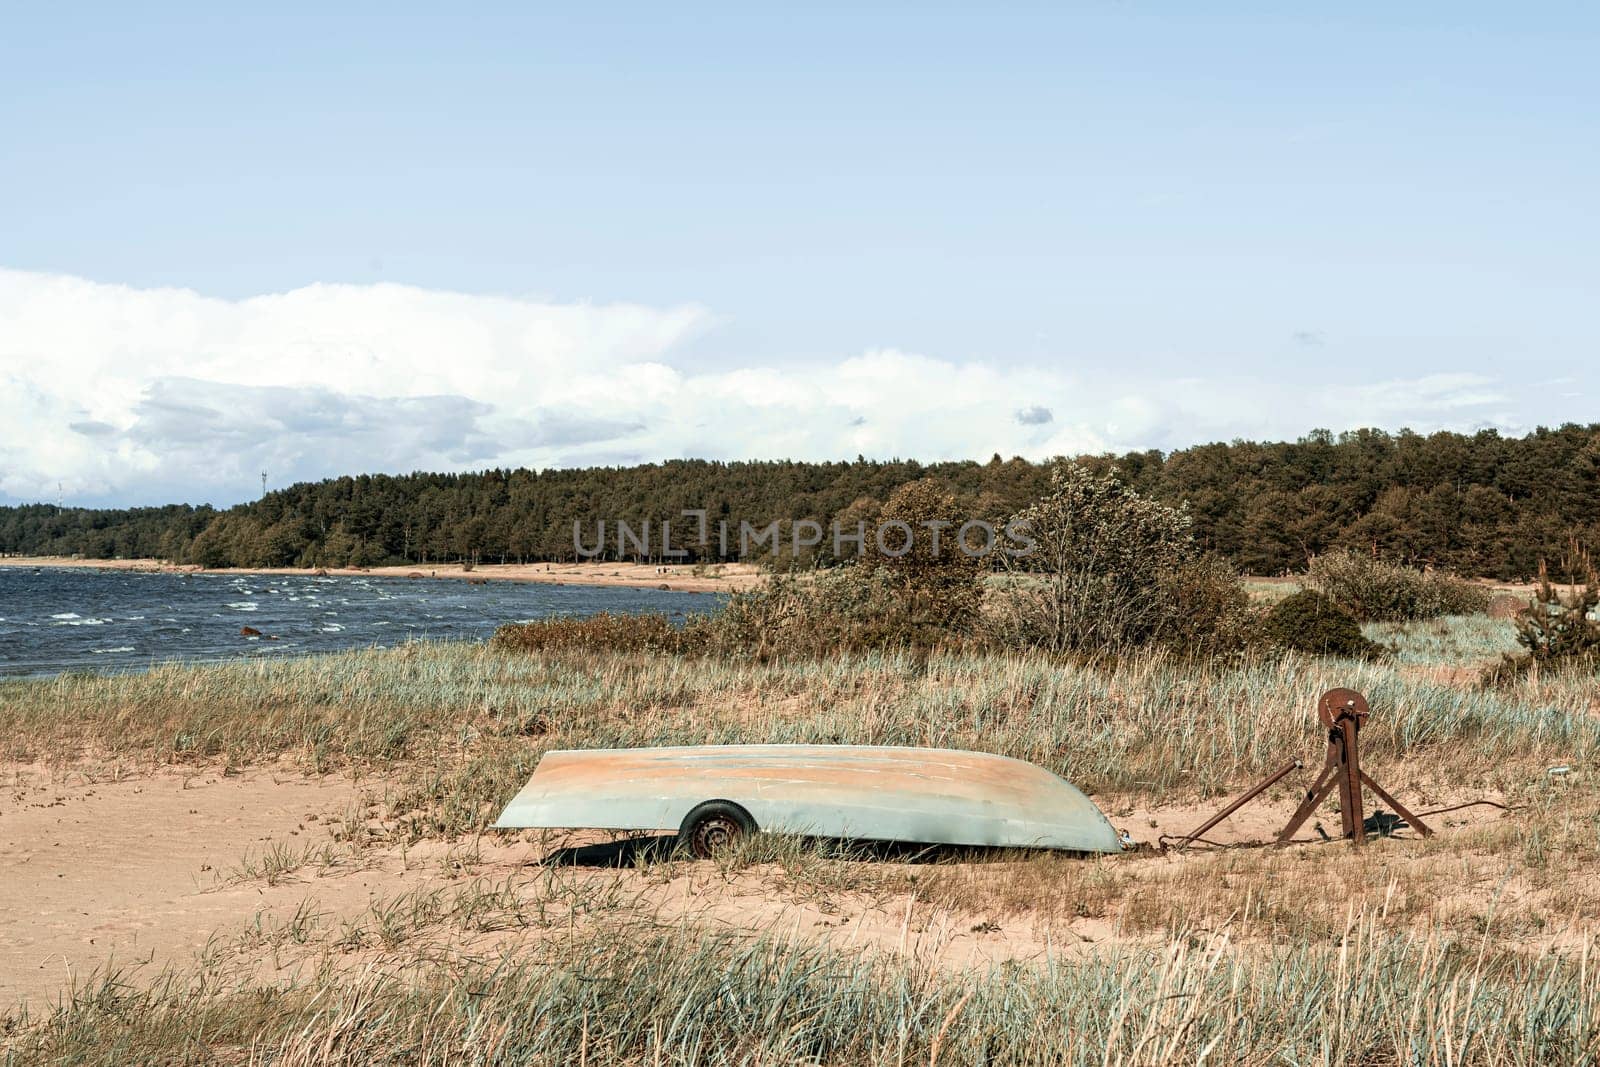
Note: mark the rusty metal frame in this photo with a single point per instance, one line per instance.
(1342, 712)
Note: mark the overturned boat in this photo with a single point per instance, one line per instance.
(714, 794)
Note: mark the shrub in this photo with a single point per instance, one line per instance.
(602, 632)
(1308, 621)
(1209, 610)
(1557, 629)
(849, 608)
(1374, 590)
(853, 607)
(939, 586)
(921, 598)
(1112, 569)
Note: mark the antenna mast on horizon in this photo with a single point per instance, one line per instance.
(263, 483)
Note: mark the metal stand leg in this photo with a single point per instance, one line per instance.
(1254, 791)
(1350, 790)
(1400, 809)
(1314, 798)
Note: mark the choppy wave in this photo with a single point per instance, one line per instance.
(189, 617)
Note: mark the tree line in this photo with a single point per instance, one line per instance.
(1479, 503)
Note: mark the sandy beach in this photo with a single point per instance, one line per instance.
(205, 856)
(718, 578)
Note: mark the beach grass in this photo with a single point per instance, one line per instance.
(458, 727)
(1471, 947)
(630, 992)
(1452, 640)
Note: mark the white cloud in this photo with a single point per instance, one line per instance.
(149, 395)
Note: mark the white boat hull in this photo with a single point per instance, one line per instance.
(937, 796)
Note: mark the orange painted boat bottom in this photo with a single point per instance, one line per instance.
(937, 796)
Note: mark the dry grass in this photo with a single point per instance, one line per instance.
(1472, 947)
(456, 728)
(632, 993)
(1460, 641)
(1533, 877)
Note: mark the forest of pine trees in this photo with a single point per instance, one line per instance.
(1478, 503)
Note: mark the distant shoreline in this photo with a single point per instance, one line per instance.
(717, 578)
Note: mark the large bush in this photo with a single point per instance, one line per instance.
(918, 595)
(1311, 622)
(938, 586)
(1374, 590)
(853, 607)
(1112, 569)
(914, 595)
(1208, 608)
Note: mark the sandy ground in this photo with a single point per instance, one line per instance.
(722, 577)
(149, 871)
(719, 578)
(1285, 583)
(132, 870)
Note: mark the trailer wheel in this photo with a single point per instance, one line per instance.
(714, 827)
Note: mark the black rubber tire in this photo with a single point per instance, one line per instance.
(713, 827)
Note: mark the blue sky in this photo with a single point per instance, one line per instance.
(817, 232)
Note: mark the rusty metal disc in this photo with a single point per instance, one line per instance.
(1341, 702)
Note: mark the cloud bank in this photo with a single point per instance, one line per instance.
(119, 395)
